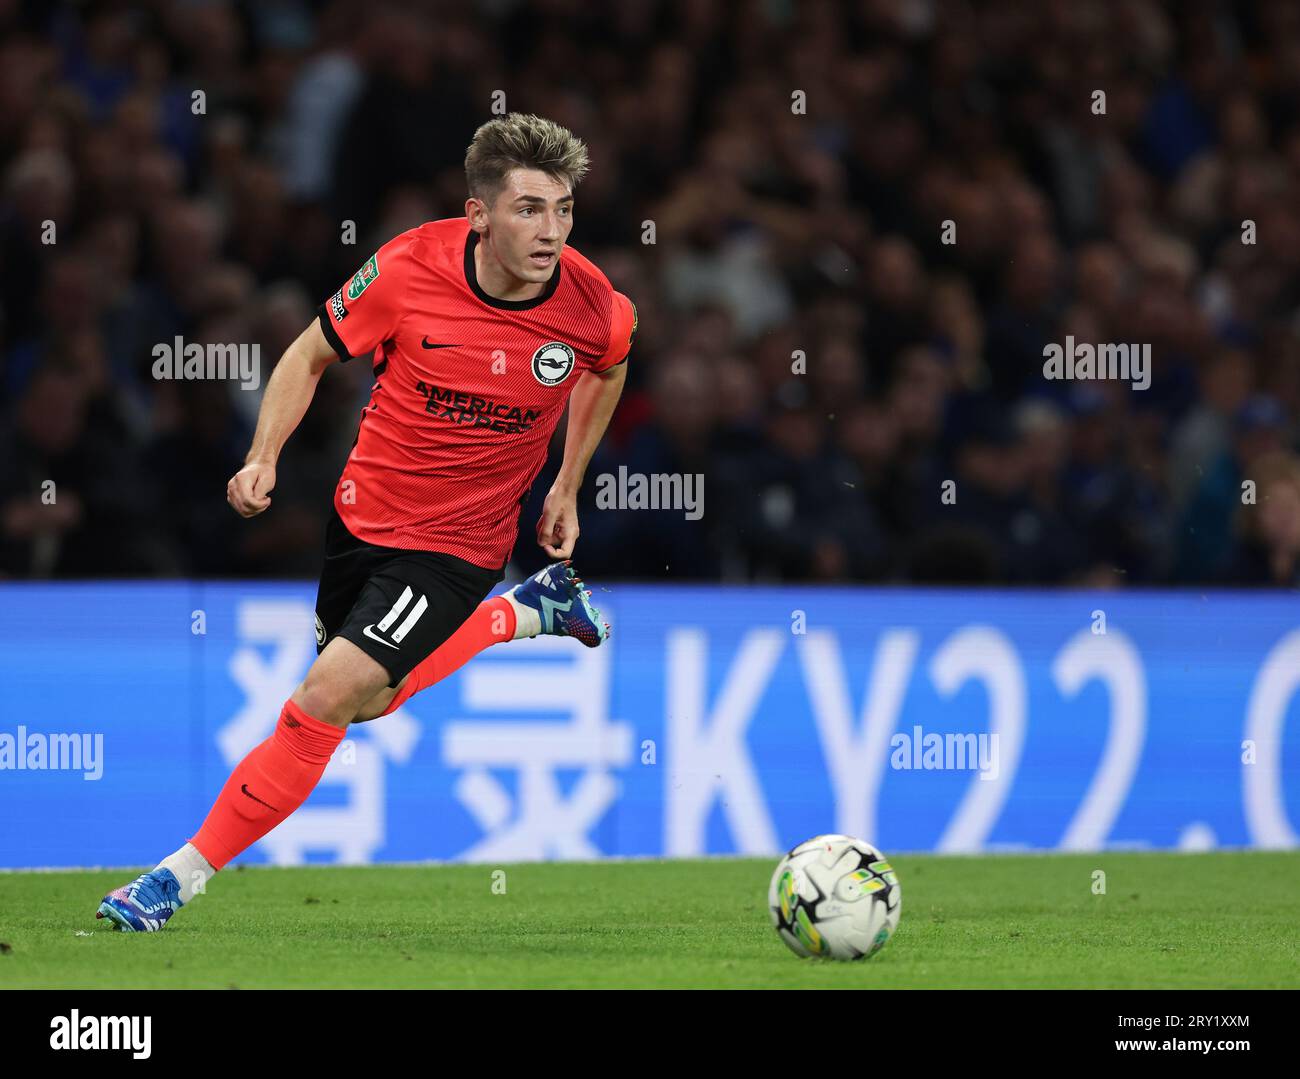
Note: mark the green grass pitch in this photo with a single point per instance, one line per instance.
(1224, 919)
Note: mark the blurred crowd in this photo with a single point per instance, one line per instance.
(869, 218)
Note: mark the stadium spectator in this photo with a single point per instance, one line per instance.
(850, 231)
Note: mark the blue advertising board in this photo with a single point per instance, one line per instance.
(716, 720)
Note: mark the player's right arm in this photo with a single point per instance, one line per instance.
(363, 313)
(288, 393)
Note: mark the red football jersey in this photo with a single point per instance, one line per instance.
(468, 388)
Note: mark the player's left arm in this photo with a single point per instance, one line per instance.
(591, 405)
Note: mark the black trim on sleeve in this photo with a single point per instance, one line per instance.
(332, 335)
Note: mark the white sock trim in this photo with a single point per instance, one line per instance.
(191, 869)
(528, 623)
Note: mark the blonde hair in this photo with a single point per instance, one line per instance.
(522, 141)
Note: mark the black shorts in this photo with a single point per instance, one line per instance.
(396, 605)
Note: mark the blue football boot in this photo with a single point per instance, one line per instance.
(557, 595)
(144, 905)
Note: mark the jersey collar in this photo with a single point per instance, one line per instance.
(471, 279)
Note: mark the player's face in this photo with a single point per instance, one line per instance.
(529, 224)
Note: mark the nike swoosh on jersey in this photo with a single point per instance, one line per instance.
(424, 343)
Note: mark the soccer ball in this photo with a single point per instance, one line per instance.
(835, 896)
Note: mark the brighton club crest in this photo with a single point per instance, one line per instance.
(552, 363)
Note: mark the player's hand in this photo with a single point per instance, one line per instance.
(249, 488)
(557, 527)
